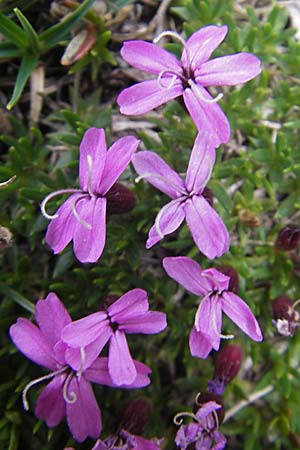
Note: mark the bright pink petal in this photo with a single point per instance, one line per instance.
(202, 43)
(117, 159)
(207, 117)
(228, 70)
(186, 272)
(200, 346)
(151, 322)
(147, 95)
(157, 172)
(240, 313)
(50, 405)
(208, 319)
(120, 363)
(89, 243)
(92, 146)
(149, 57)
(171, 217)
(98, 373)
(32, 343)
(129, 304)
(52, 317)
(201, 163)
(215, 279)
(82, 332)
(82, 358)
(61, 230)
(83, 415)
(207, 228)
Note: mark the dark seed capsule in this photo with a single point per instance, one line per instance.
(288, 238)
(120, 200)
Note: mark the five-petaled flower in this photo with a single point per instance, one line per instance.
(207, 228)
(129, 314)
(82, 216)
(188, 77)
(69, 393)
(212, 286)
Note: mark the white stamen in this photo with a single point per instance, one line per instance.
(198, 93)
(295, 304)
(73, 396)
(80, 220)
(90, 166)
(52, 195)
(178, 419)
(7, 182)
(171, 81)
(82, 361)
(36, 381)
(162, 178)
(227, 336)
(179, 38)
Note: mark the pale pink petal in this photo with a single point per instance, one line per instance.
(207, 409)
(201, 163)
(151, 322)
(202, 43)
(207, 228)
(207, 117)
(80, 358)
(98, 373)
(149, 57)
(120, 363)
(83, 415)
(157, 172)
(117, 159)
(84, 331)
(208, 319)
(200, 346)
(217, 280)
(186, 272)
(240, 313)
(89, 243)
(32, 343)
(93, 145)
(228, 70)
(147, 95)
(129, 304)
(52, 317)
(60, 231)
(50, 405)
(171, 217)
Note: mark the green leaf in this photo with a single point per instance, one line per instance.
(13, 32)
(8, 50)
(54, 34)
(28, 64)
(33, 38)
(16, 297)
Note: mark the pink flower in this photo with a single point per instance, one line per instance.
(188, 201)
(188, 77)
(69, 393)
(212, 286)
(82, 217)
(127, 441)
(129, 314)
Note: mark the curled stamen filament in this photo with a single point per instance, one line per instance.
(162, 178)
(179, 38)
(201, 97)
(297, 302)
(7, 182)
(36, 381)
(82, 361)
(75, 212)
(171, 80)
(160, 214)
(73, 397)
(52, 195)
(178, 419)
(214, 413)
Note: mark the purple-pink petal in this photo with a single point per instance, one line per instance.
(149, 57)
(207, 228)
(32, 343)
(147, 95)
(186, 272)
(52, 317)
(93, 147)
(120, 363)
(84, 331)
(157, 172)
(200, 345)
(240, 313)
(89, 243)
(83, 415)
(50, 405)
(129, 304)
(207, 117)
(208, 319)
(82, 358)
(60, 231)
(228, 70)
(213, 280)
(171, 217)
(151, 322)
(201, 163)
(117, 159)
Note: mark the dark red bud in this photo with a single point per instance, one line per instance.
(288, 238)
(286, 318)
(210, 397)
(234, 277)
(120, 200)
(208, 195)
(228, 362)
(135, 415)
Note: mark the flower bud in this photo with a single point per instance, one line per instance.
(120, 200)
(211, 397)
(286, 319)
(227, 365)
(234, 277)
(288, 238)
(135, 415)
